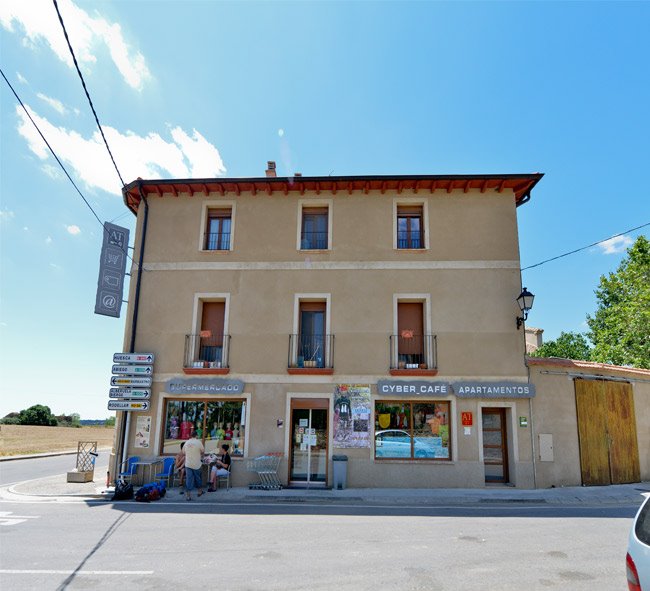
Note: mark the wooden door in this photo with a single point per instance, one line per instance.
(607, 432)
(592, 433)
(621, 430)
(495, 445)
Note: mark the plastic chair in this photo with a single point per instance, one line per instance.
(129, 468)
(167, 471)
(226, 478)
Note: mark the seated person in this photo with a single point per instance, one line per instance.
(179, 466)
(221, 468)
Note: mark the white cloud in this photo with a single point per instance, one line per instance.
(6, 215)
(74, 230)
(48, 240)
(54, 172)
(148, 157)
(55, 104)
(615, 245)
(20, 77)
(280, 132)
(39, 23)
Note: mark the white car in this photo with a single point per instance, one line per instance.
(638, 550)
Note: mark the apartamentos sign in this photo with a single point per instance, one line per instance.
(201, 386)
(494, 390)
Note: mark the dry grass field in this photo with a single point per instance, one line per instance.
(27, 439)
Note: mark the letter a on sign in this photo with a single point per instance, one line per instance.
(466, 418)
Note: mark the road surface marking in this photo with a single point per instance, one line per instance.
(75, 572)
(6, 518)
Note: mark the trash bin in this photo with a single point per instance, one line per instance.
(340, 476)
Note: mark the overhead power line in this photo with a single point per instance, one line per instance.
(566, 254)
(83, 83)
(57, 159)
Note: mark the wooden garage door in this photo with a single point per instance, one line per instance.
(607, 432)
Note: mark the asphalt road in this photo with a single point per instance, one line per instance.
(315, 546)
(15, 471)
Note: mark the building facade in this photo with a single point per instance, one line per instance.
(314, 316)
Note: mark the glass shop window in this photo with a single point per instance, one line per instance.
(412, 430)
(216, 422)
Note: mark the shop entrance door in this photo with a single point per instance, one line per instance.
(309, 433)
(495, 445)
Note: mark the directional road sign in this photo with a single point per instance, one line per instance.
(133, 358)
(141, 394)
(133, 370)
(128, 405)
(142, 382)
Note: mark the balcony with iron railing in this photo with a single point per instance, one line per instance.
(410, 239)
(217, 241)
(313, 354)
(413, 354)
(206, 353)
(313, 241)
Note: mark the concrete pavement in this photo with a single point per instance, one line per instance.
(56, 488)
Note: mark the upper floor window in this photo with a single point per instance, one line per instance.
(314, 234)
(218, 229)
(410, 226)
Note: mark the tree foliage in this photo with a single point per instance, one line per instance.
(109, 422)
(569, 345)
(37, 415)
(620, 328)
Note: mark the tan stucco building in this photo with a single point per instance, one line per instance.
(371, 316)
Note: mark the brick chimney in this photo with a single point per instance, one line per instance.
(270, 169)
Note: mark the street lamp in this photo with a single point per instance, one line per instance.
(525, 301)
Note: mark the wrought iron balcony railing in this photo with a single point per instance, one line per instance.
(311, 351)
(217, 241)
(410, 239)
(413, 351)
(206, 350)
(313, 241)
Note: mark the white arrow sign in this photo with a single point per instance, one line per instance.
(133, 370)
(125, 381)
(133, 358)
(143, 394)
(128, 405)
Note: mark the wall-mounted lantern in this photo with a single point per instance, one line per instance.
(525, 301)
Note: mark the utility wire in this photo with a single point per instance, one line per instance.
(566, 254)
(57, 159)
(83, 83)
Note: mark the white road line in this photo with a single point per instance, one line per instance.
(74, 572)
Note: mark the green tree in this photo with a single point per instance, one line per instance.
(620, 328)
(569, 345)
(38, 415)
(109, 422)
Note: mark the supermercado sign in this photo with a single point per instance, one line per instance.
(461, 389)
(199, 386)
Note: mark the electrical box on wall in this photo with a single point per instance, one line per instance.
(545, 447)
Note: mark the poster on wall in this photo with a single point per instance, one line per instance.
(142, 431)
(352, 415)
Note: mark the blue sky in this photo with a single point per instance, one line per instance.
(212, 88)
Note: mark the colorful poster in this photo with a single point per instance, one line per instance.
(142, 431)
(352, 415)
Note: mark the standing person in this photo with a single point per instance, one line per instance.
(193, 452)
(179, 466)
(221, 467)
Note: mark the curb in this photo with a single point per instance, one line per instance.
(45, 455)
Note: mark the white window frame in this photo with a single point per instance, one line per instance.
(306, 204)
(311, 297)
(411, 202)
(207, 206)
(420, 298)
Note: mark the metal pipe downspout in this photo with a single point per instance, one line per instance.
(134, 324)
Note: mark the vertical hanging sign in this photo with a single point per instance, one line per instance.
(112, 266)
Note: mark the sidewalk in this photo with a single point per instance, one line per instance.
(56, 487)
